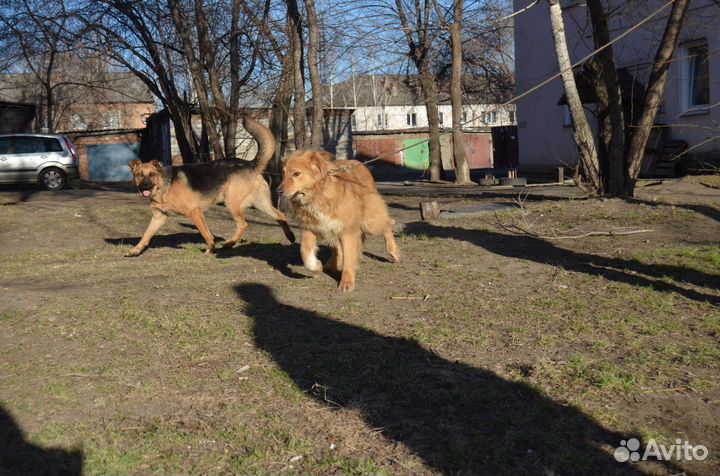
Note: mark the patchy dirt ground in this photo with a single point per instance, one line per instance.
(482, 352)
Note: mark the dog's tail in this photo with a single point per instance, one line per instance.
(265, 142)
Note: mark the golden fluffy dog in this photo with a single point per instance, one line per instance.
(337, 201)
(190, 189)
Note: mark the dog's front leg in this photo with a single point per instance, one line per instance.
(308, 251)
(158, 219)
(350, 242)
(197, 217)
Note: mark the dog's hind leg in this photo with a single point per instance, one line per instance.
(197, 217)
(264, 204)
(241, 226)
(391, 246)
(158, 219)
(335, 263)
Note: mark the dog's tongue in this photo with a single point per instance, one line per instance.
(146, 193)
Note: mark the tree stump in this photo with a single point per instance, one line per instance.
(429, 210)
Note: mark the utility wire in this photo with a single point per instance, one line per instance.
(548, 80)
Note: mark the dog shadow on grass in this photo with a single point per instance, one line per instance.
(542, 251)
(459, 419)
(172, 240)
(20, 457)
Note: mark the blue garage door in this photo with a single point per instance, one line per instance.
(109, 162)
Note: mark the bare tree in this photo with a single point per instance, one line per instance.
(462, 168)
(140, 37)
(33, 44)
(295, 32)
(615, 170)
(419, 37)
(316, 132)
(582, 134)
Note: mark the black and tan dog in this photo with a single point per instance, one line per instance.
(190, 189)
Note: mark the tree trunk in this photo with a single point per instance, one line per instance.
(654, 92)
(316, 133)
(296, 53)
(582, 134)
(462, 169)
(431, 104)
(610, 103)
(280, 108)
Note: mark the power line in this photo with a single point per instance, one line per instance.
(548, 80)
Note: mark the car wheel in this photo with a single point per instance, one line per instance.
(52, 178)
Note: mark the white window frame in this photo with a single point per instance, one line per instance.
(381, 120)
(411, 119)
(686, 82)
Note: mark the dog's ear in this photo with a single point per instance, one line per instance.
(134, 163)
(321, 162)
(157, 164)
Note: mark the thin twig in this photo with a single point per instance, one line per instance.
(524, 226)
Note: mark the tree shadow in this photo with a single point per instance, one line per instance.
(459, 419)
(613, 269)
(707, 210)
(20, 457)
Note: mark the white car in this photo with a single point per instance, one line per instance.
(48, 159)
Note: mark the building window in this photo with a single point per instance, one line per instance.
(511, 116)
(382, 120)
(490, 117)
(111, 120)
(440, 118)
(696, 76)
(353, 121)
(412, 119)
(463, 117)
(77, 123)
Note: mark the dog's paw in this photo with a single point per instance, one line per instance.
(313, 264)
(132, 252)
(346, 285)
(227, 245)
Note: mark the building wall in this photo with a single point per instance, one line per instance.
(545, 140)
(84, 116)
(366, 117)
(410, 149)
(337, 135)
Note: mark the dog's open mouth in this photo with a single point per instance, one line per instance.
(145, 190)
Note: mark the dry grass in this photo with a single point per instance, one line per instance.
(527, 356)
